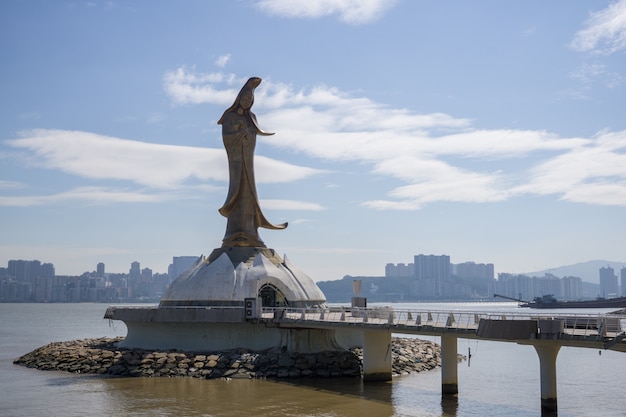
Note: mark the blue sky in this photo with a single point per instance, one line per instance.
(490, 131)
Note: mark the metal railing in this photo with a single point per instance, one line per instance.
(584, 325)
(573, 324)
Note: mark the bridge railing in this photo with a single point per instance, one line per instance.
(576, 324)
(602, 325)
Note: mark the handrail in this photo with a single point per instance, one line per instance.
(575, 324)
(597, 324)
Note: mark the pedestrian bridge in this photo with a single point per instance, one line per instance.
(604, 331)
(545, 331)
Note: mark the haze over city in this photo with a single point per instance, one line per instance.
(490, 132)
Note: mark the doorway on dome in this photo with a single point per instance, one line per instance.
(272, 297)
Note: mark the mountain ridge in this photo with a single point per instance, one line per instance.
(588, 271)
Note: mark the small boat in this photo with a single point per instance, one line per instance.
(548, 301)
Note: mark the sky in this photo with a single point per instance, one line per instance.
(489, 131)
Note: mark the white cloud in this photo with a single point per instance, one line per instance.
(434, 157)
(290, 205)
(590, 73)
(438, 157)
(101, 157)
(161, 171)
(152, 165)
(601, 193)
(222, 60)
(10, 184)
(299, 221)
(594, 174)
(90, 195)
(604, 31)
(109, 195)
(431, 180)
(188, 87)
(349, 11)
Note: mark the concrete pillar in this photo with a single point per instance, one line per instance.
(376, 355)
(449, 364)
(547, 365)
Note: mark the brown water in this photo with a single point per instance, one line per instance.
(502, 380)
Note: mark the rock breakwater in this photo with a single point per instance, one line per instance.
(102, 356)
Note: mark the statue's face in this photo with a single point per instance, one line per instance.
(246, 100)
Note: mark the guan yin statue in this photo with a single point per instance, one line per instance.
(242, 209)
(243, 267)
(207, 308)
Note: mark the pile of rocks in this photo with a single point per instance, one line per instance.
(102, 356)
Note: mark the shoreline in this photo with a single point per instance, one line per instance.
(101, 356)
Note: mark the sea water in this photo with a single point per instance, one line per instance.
(500, 379)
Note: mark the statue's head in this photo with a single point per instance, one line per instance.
(245, 98)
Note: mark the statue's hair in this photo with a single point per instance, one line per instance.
(249, 86)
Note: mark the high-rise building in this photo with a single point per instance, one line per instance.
(47, 270)
(24, 271)
(622, 274)
(399, 270)
(474, 270)
(146, 274)
(431, 271)
(179, 265)
(432, 267)
(100, 270)
(135, 271)
(608, 282)
(572, 288)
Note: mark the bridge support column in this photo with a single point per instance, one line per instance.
(449, 365)
(376, 356)
(547, 366)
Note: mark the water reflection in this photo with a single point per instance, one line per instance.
(449, 405)
(236, 397)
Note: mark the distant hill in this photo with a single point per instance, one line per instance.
(589, 271)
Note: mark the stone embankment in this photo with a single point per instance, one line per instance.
(102, 356)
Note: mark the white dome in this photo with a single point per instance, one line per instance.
(230, 275)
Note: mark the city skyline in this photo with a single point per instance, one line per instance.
(428, 277)
(180, 263)
(487, 132)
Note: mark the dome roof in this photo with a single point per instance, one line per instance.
(230, 275)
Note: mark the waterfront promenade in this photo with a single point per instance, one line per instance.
(604, 331)
(546, 331)
(372, 328)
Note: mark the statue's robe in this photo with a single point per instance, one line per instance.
(242, 207)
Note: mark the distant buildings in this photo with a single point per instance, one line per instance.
(527, 288)
(399, 270)
(32, 281)
(608, 282)
(180, 264)
(429, 277)
(473, 270)
(100, 270)
(435, 277)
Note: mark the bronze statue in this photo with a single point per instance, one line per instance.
(242, 209)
